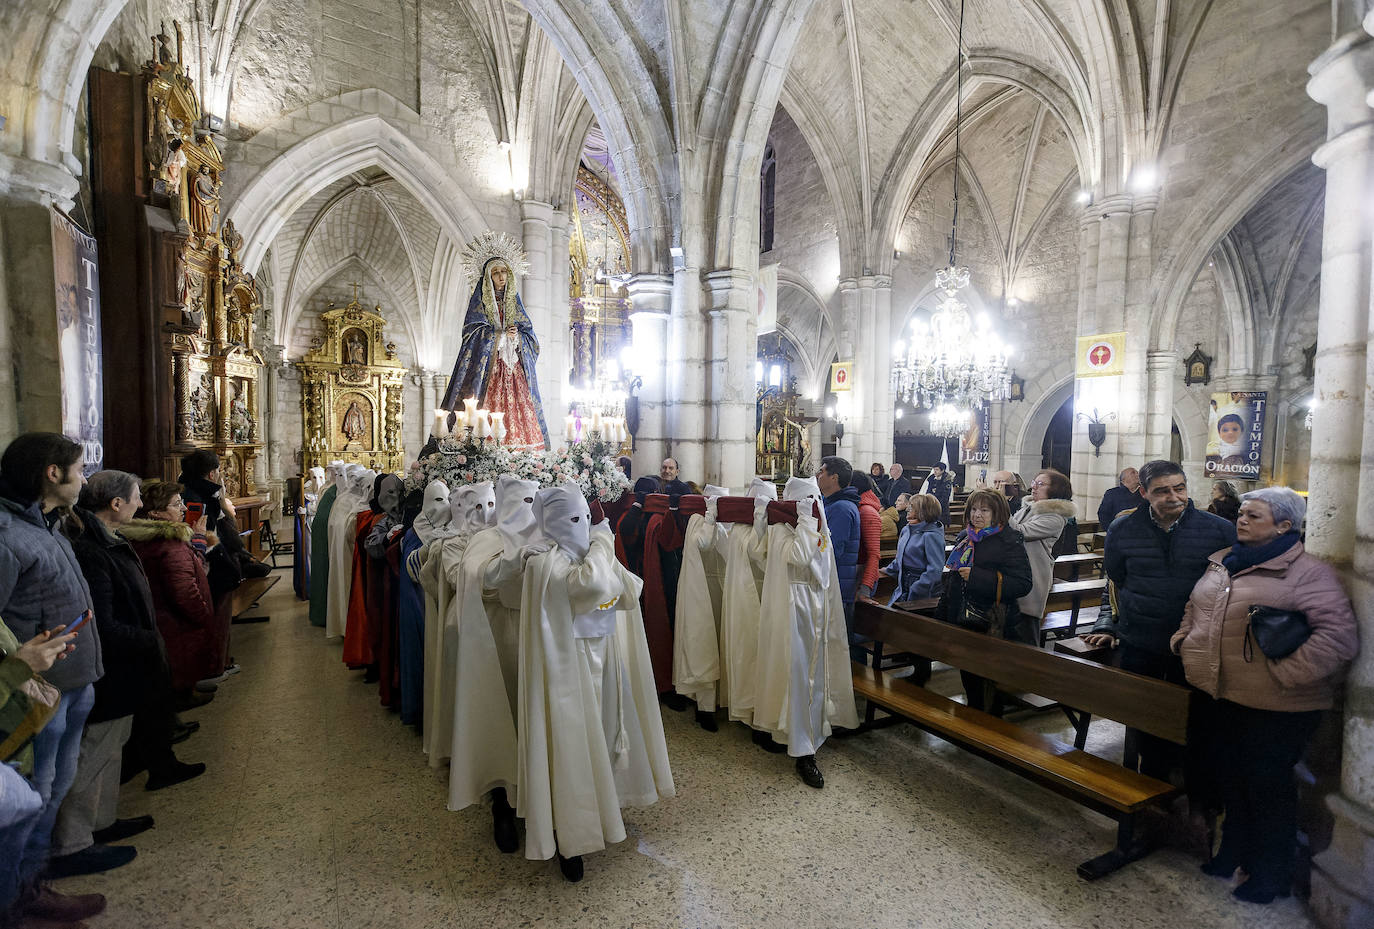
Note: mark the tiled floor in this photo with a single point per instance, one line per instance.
(320, 811)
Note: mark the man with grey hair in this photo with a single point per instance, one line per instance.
(1124, 496)
(900, 485)
(1154, 556)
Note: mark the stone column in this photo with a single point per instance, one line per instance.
(554, 351)
(881, 405)
(536, 218)
(1341, 530)
(685, 399)
(847, 345)
(428, 403)
(270, 420)
(1159, 415)
(733, 349)
(651, 298)
(1115, 254)
(30, 369)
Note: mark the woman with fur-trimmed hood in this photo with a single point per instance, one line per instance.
(197, 638)
(1041, 522)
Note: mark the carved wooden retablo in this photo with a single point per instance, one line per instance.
(351, 387)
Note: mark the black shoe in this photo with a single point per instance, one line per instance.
(809, 773)
(1219, 868)
(183, 731)
(1251, 892)
(372, 674)
(673, 701)
(91, 860)
(503, 822)
(122, 829)
(206, 687)
(707, 720)
(571, 868)
(766, 742)
(174, 773)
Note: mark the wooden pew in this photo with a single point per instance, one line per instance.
(247, 595)
(1068, 567)
(1084, 687)
(1069, 595)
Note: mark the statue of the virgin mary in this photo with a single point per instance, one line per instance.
(496, 361)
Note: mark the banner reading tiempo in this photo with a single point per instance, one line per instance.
(1235, 435)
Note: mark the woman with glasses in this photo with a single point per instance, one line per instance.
(1041, 522)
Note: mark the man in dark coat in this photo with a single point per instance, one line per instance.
(199, 479)
(42, 590)
(1154, 556)
(900, 485)
(1124, 496)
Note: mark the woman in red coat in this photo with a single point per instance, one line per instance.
(870, 533)
(196, 637)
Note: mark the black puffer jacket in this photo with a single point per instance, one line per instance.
(135, 662)
(1154, 571)
(1001, 553)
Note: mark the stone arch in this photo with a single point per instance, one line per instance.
(1218, 207)
(377, 278)
(1030, 434)
(366, 140)
(928, 128)
(823, 141)
(625, 98)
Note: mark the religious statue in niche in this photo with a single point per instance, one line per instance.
(240, 421)
(496, 361)
(1197, 367)
(204, 201)
(240, 320)
(229, 475)
(173, 163)
(203, 408)
(355, 349)
(354, 425)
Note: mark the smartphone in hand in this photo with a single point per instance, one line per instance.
(194, 511)
(81, 621)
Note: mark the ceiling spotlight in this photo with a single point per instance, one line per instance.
(1013, 302)
(1084, 197)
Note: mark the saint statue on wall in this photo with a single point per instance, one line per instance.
(354, 426)
(496, 361)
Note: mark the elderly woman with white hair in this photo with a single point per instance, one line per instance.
(1267, 635)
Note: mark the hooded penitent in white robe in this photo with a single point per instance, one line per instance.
(473, 505)
(485, 754)
(697, 658)
(804, 679)
(745, 548)
(343, 516)
(589, 731)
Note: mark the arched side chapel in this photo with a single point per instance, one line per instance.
(1115, 177)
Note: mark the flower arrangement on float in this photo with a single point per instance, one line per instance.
(475, 454)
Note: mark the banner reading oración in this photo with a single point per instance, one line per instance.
(1235, 435)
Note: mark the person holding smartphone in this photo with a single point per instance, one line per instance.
(42, 591)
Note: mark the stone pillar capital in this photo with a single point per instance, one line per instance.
(1161, 359)
(28, 181)
(536, 211)
(650, 292)
(848, 284)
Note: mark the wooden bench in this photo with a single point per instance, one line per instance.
(247, 595)
(1069, 595)
(1068, 567)
(1082, 688)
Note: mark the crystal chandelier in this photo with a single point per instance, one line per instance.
(951, 359)
(948, 420)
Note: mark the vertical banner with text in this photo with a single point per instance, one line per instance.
(77, 280)
(1235, 435)
(974, 444)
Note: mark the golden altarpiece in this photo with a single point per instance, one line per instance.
(351, 386)
(599, 304)
(171, 278)
(780, 447)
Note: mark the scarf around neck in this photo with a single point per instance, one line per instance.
(1241, 556)
(962, 554)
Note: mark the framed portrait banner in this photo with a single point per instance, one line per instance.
(1235, 435)
(76, 277)
(974, 445)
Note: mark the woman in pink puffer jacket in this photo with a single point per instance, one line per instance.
(1258, 712)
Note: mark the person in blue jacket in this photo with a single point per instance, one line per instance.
(920, 561)
(842, 514)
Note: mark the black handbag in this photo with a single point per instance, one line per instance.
(1278, 633)
(988, 620)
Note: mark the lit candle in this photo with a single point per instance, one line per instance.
(570, 433)
(460, 420)
(440, 423)
(596, 420)
(471, 404)
(481, 431)
(498, 428)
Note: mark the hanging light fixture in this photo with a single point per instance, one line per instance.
(948, 420)
(952, 358)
